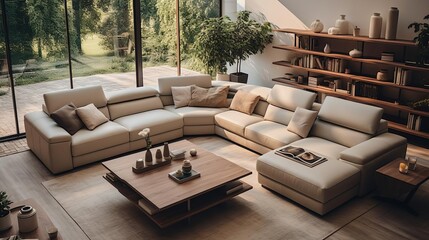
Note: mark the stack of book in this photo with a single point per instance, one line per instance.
(365, 90)
(330, 64)
(177, 154)
(402, 76)
(388, 56)
(414, 122)
(315, 81)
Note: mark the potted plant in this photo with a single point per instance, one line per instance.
(213, 44)
(422, 40)
(5, 221)
(250, 37)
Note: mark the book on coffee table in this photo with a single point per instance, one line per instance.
(185, 177)
(300, 155)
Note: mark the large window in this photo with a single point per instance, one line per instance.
(62, 44)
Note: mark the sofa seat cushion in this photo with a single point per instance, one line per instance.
(320, 146)
(321, 183)
(196, 116)
(235, 121)
(107, 135)
(159, 121)
(270, 134)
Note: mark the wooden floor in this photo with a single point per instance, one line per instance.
(22, 177)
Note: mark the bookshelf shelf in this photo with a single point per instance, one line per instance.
(395, 91)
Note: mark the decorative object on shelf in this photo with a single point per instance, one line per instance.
(392, 23)
(193, 152)
(179, 173)
(403, 168)
(422, 40)
(327, 49)
(412, 162)
(388, 56)
(347, 71)
(27, 219)
(333, 31)
(301, 79)
(166, 152)
(356, 31)
(5, 221)
(249, 38)
(382, 75)
(148, 158)
(186, 167)
(139, 163)
(342, 24)
(375, 25)
(422, 105)
(316, 26)
(158, 155)
(355, 53)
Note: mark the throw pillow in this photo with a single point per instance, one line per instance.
(302, 121)
(91, 116)
(67, 118)
(181, 96)
(211, 97)
(244, 102)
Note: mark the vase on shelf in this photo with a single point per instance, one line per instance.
(316, 26)
(166, 152)
(327, 49)
(356, 31)
(148, 157)
(342, 24)
(392, 23)
(382, 75)
(375, 24)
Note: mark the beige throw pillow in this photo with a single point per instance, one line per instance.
(212, 97)
(302, 121)
(67, 118)
(244, 102)
(181, 96)
(91, 116)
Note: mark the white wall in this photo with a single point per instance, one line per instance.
(300, 14)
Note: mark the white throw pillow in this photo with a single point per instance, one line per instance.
(302, 121)
(181, 96)
(91, 116)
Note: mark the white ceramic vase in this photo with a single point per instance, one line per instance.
(342, 24)
(5, 222)
(392, 23)
(316, 26)
(375, 24)
(327, 49)
(355, 53)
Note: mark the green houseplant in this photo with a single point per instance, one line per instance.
(250, 37)
(5, 221)
(213, 44)
(422, 40)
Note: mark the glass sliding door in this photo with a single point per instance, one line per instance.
(192, 13)
(102, 43)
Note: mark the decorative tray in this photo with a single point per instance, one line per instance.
(150, 167)
(194, 174)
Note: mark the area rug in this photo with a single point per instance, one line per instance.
(103, 213)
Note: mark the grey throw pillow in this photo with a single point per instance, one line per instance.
(67, 118)
(302, 121)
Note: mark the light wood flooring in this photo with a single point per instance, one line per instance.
(21, 177)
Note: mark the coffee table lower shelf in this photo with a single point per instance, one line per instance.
(180, 211)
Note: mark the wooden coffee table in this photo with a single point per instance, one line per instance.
(167, 202)
(399, 187)
(43, 222)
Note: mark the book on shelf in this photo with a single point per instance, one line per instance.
(415, 122)
(111, 177)
(402, 76)
(300, 155)
(147, 206)
(315, 81)
(233, 187)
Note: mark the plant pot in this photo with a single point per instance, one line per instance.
(222, 77)
(5, 222)
(239, 77)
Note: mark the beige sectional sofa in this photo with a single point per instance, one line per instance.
(352, 136)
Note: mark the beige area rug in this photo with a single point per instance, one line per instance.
(103, 213)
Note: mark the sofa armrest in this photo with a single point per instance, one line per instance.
(366, 151)
(46, 127)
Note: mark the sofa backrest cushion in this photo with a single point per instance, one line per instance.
(79, 97)
(290, 98)
(133, 100)
(165, 83)
(278, 115)
(338, 134)
(356, 116)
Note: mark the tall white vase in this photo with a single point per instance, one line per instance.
(375, 24)
(392, 23)
(342, 24)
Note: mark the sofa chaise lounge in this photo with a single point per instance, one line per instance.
(352, 136)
